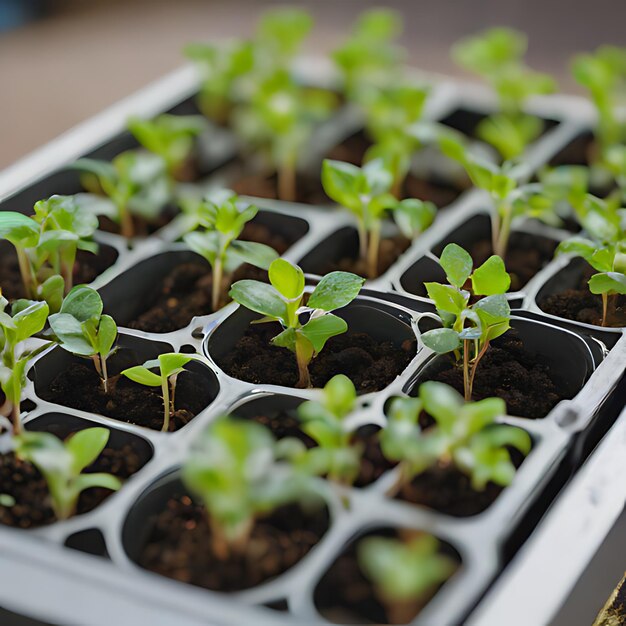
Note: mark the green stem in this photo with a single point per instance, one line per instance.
(216, 287)
(25, 271)
(303, 359)
(503, 237)
(362, 239)
(466, 377)
(372, 253)
(126, 223)
(16, 418)
(104, 373)
(479, 356)
(165, 389)
(287, 182)
(605, 307)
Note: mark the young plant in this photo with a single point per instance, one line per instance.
(170, 366)
(219, 244)
(47, 243)
(464, 435)
(134, 182)
(510, 198)
(27, 318)
(171, 137)
(404, 573)
(306, 325)
(366, 192)
(468, 328)
(279, 121)
(370, 59)
(225, 70)
(232, 468)
(389, 113)
(62, 464)
(497, 56)
(82, 329)
(336, 455)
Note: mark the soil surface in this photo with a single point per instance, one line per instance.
(79, 387)
(370, 364)
(345, 596)
(521, 378)
(141, 227)
(353, 149)
(185, 291)
(390, 250)
(26, 485)
(179, 546)
(308, 187)
(580, 305)
(87, 267)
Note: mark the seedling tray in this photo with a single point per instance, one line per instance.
(43, 568)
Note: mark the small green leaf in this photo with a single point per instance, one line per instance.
(142, 375)
(287, 279)
(85, 446)
(257, 254)
(19, 229)
(491, 278)
(414, 216)
(260, 298)
(457, 264)
(608, 282)
(30, 320)
(173, 362)
(83, 303)
(107, 334)
(447, 298)
(441, 340)
(286, 339)
(335, 290)
(319, 330)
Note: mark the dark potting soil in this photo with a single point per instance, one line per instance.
(345, 595)
(141, 226)
(308, 187)
(79, 387)
(23, 482)
(353, 149)
(521, 378)
(370, 364)
(522, 262)
(185, 291)
(580, 305)
(179, 546)
(87, 267)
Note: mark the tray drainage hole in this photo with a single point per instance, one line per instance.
(567, 417)
(278, 605)
(90, 541)
(188, 349)
(198, 333)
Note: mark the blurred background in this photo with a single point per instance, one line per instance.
(61, 61)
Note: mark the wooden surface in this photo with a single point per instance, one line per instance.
(64, 68)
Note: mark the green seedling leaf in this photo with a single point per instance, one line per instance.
(287, 279)
(260, 298)
(491, 278)
(143, 376)
(320, 329)
(441, 340)
(457, 264)
(335, 291)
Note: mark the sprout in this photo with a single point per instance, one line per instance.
(404, 573)
(365, 192)
(232, 467)
(282, 302)
(27, 318)
(171, 137)
(219, 244)
(464, 434)
(170, 366)
(82, 329)
(370, 58)
(336, 454)
(279, 121)
(62, 464)
(46, 244)
(497, 55)
(134, 182)
(510, 199)
(224, 69)
(468, 329)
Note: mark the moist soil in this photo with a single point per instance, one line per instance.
(179, 546)
(353, 149)
(79, 387)
(522, 261)
(308, 188)
(141, 227)
(580, 305)
(87, 267)
(26, 485)
(185, 291)
(345, 596)
(370, 364)
(508, 371)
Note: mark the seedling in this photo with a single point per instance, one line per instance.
(233, 469)
(62, 464)
(47, 242)
(366, 192)
(82, 329)
(170, 366)
(464, 435)
(135, 183)
(306, 326)
(27, 318)
(468, 329)
(370, 59)
(279, 121)
(389, 113)
(171, 137)
(404, 573)
(510, 198)
(497, 56)
(219, 244)
(225, 70)
(336, 454)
